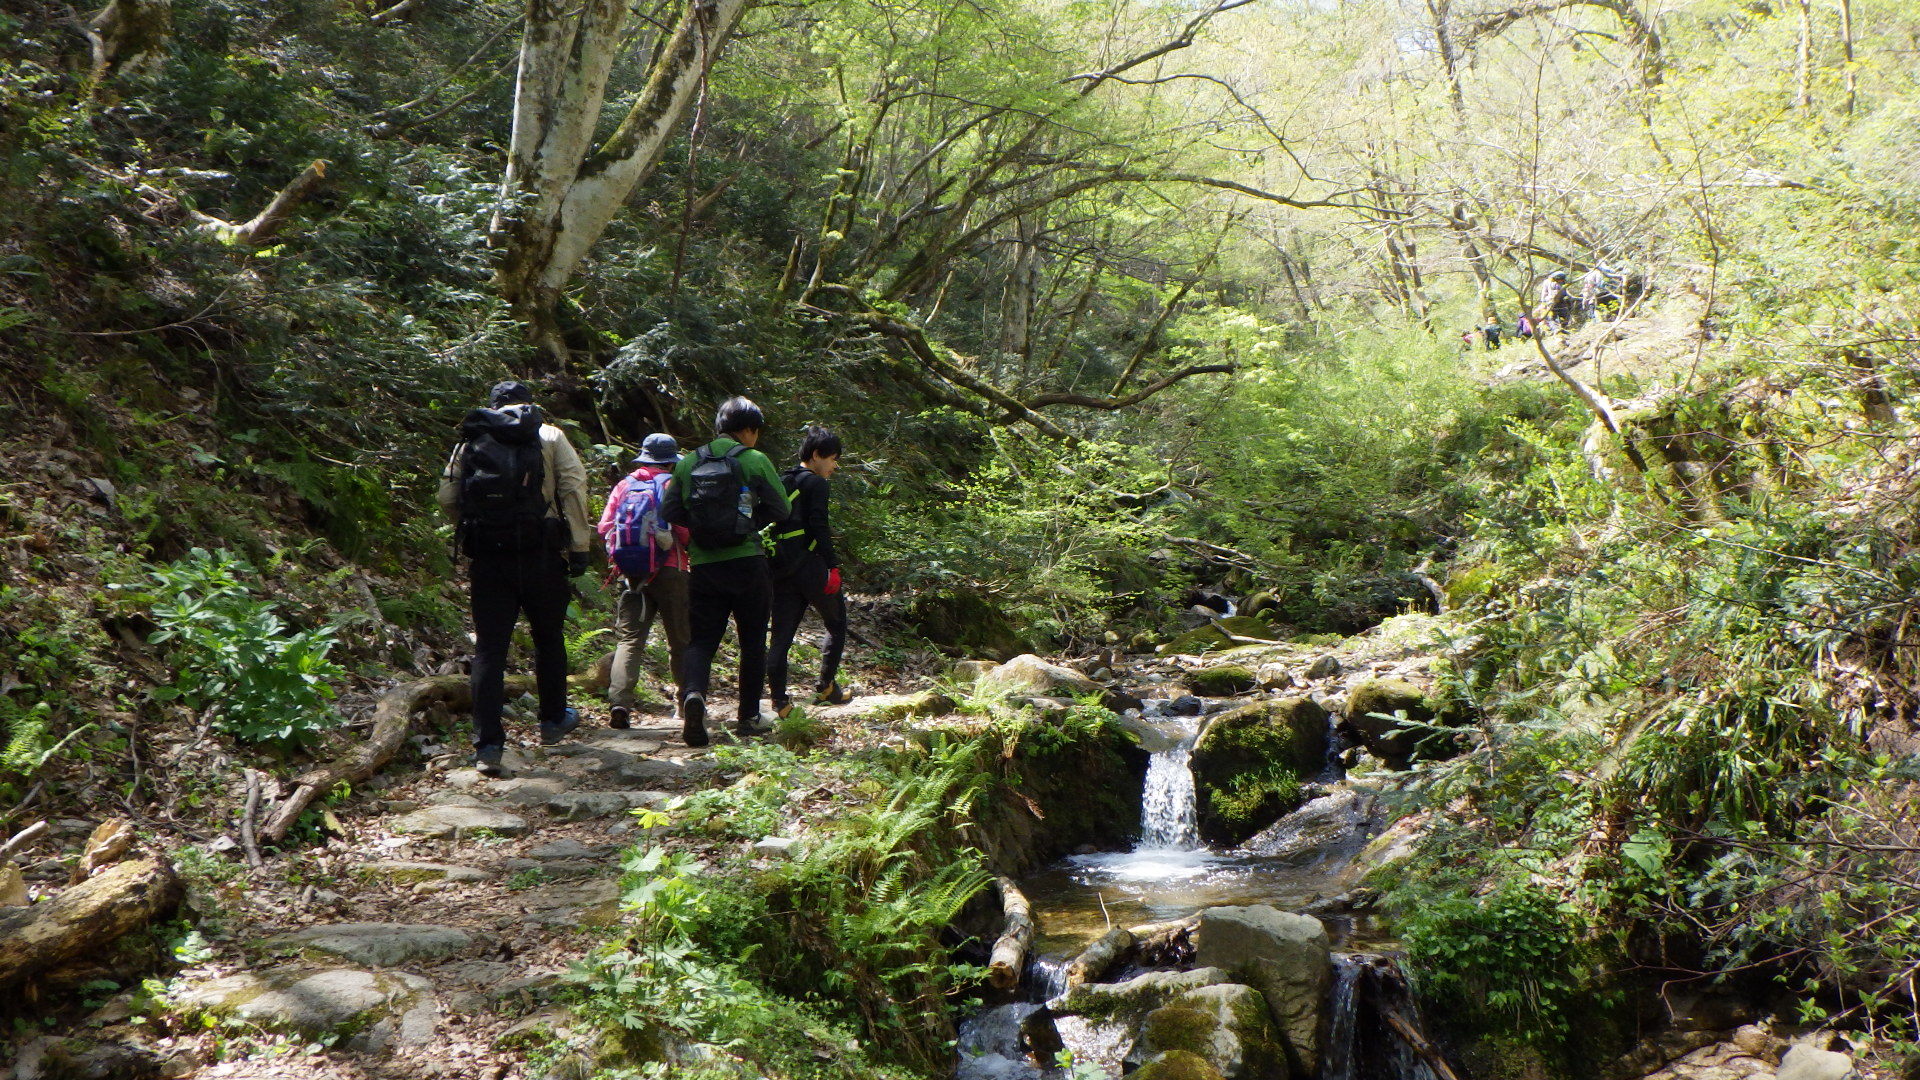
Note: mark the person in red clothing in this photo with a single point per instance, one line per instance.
(665, 596)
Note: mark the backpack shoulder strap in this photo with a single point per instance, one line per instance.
(738, 449)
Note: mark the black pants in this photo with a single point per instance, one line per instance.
(738, 589)
(503, 588)
(792, 596)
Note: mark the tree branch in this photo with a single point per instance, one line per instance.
(1088, 401)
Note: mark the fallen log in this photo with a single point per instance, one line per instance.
(1165, 944)
(1421, 1046)
(84, 918)
(390, 722)
(1010, 952)
(1094, 961)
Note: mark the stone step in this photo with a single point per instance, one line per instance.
(452, 822)
(404, 872)
(373, 1011)
(375, 944)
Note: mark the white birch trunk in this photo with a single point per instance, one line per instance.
(560, 192)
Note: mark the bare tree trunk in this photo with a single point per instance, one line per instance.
(130, 37)
(560, 191)
(1846, 54)
(1442, 12)
(1803, 76)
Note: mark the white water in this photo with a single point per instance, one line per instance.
(1167, 821)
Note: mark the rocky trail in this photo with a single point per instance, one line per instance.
(421, 938)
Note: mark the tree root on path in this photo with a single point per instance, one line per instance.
(390, 722)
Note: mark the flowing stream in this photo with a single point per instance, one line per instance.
(1170, 874)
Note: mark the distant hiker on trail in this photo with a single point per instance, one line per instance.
(806, 573)
(649, 557)
(1551, 313)
(1591, 284)
(1468, 338)
(1491, 332)
(517, 493)
(1525, 328)
(725, 493)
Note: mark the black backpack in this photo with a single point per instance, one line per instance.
(719, 507)
(503, 507)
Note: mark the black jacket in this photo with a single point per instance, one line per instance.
(807, 495)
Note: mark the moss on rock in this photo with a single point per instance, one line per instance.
(1223, 680)
(1394, 717)
(1177, 1065)
(1249, 763)
(1200, 639)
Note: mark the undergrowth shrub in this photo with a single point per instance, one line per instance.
(253, 676)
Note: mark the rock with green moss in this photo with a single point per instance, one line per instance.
(1179, 1065)
(893, 708)
(1249, 762)
(1393, 718)
(364, 1010)
(1287, 957)
(1133, 999)
(1221, 680)
(1249, 627)
(966, 621)
(1198, 640)
(1228, 1026)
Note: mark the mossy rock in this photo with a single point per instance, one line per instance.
(1176, 1065)
(1224, 680)
(966, 622)
(1228, 1026)
(1394, 718)
(1200, 639)
(1249, 763)
(1261, 603)
(1250, 627)
(893, 708)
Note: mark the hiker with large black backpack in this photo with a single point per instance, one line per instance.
(725, 493)
(517, 493)
(649, 557)
(806, 573)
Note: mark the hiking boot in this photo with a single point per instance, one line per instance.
(486, 761)
(834, 694)
(693, 720)
(553, 733)
(621, 718)
(747, 729)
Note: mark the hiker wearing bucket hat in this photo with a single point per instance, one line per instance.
(649, 558)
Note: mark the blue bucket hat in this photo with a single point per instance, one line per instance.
(659, 448)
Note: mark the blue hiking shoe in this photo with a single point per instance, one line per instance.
(553, 733)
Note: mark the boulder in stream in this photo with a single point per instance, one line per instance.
(1135, 998)
(1287, 957)
(1249, 762)
(1221, 680)
(1028, 675)
(1393, 718)
(1227, 1026)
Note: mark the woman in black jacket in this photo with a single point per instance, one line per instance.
(806, 573)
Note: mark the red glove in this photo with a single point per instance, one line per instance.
(833, 581)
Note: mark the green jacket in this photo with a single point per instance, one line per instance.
(770, 500)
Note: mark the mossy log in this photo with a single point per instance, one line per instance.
(84, 918)
(390, 722)
(1009, 957)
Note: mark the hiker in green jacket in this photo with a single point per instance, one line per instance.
(725, 493)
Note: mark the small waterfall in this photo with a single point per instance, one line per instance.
(1167, 820)
(1374, 1030)
(1046, 977)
